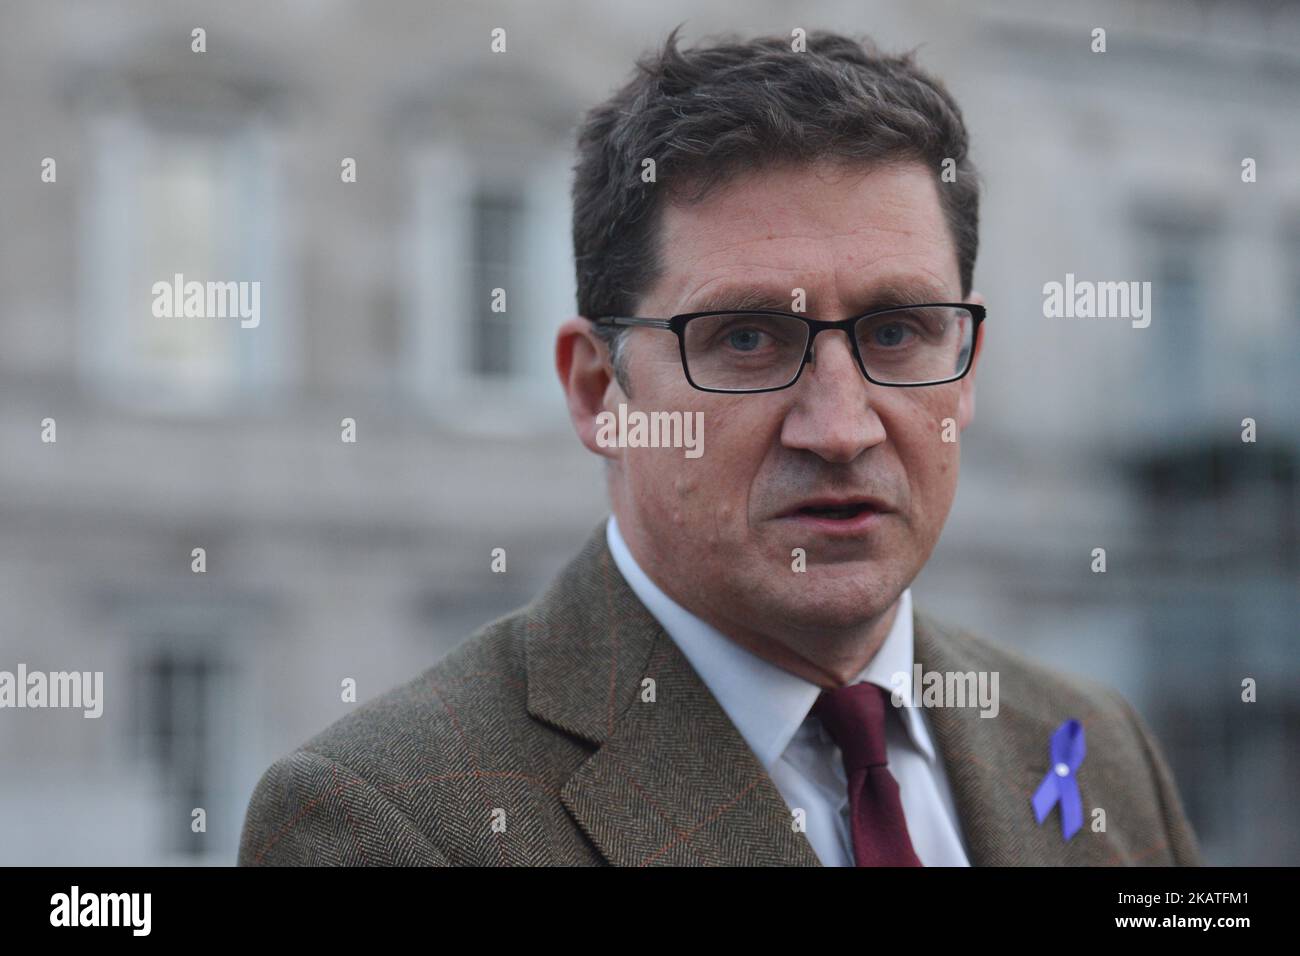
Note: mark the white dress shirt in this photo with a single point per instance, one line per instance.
(770, 707)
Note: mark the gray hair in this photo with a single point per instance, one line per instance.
(706, 113)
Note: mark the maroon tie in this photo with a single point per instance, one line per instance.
(854, 716)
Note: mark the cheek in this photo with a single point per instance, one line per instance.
(709, 494)
(931, 462)
(739, 436)
(663, 489)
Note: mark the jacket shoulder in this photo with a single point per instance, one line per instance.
(421, 719)
(397, 764)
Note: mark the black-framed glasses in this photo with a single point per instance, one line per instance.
(760, 350)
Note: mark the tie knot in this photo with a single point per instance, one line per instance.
(854, 716)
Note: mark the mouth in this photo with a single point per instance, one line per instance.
(837, 516)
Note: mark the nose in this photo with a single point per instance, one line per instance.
(832, 415)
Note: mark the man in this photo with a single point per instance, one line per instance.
(724, 675)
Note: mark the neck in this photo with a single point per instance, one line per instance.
(844, 656)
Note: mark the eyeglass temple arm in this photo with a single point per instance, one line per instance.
(629, 320)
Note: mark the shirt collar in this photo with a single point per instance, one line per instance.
(766, 703)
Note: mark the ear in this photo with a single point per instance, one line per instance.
(587, 377)
(966, 403)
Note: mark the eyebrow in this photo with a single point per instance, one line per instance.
(883, 294)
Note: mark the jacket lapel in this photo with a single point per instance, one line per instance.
(671, 782)
(995, 764)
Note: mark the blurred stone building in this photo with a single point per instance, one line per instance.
(328, 560)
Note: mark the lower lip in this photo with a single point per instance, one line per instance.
(860, 524)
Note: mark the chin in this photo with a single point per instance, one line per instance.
(836, 604)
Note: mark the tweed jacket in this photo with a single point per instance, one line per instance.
(574, 732)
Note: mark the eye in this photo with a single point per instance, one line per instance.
(744, 339)
(890, 334)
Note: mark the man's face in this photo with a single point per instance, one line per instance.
(719, 532)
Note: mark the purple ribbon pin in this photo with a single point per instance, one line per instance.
(1059, 783)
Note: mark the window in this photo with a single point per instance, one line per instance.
(1285, 371)
(1214, 741)
(1219, 605)
(194, 197)
(482, 222)
(179, 699)
(180, 231)
(495, 221)
(1179, 313)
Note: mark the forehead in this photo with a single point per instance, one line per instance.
(845, 234)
